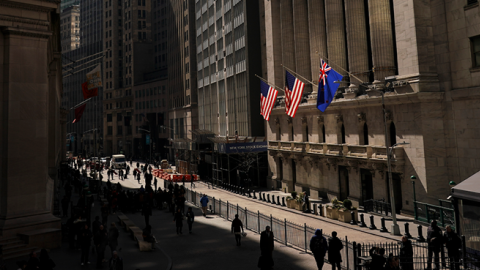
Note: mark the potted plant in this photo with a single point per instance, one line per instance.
(344, 212)
(299, 202)
(332, 210)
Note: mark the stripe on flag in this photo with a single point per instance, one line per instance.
(268, 96)
(295, 92)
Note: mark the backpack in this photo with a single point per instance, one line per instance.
(317, 245)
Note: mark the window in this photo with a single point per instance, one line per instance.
(393, 134)
(119, 130)
(342, 130)
(109, 117)
(365, 134)
(323, 134)
(119, 117)
(109, 130)
(475, 45)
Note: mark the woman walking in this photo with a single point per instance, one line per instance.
(178, 219)
(190, 218)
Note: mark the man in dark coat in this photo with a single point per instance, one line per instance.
(116, 263)
(435, 242)
(453, 244)
(406, 254)
(334, 247)
(266, 247)
(319, 246)
(237, 228)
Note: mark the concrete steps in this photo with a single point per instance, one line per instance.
(14, 247)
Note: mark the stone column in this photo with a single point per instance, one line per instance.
(318, 36)
(302, 44)
(357, 40)
(336, 47)
(273, 40)
(288, 45)
(381, 37)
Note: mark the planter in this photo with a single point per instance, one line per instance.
(298, 206)
(290, 203)
(344, 215)
(331, 213)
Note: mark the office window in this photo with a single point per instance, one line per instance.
(109, 117)
(109, 130)
(119, 130)
(475, 45)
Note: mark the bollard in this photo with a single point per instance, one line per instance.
(268, 197)
(372, 223)
(249, 195)
(260, 195)
(320, 210)
(254, 195)
(243, 191)
(283, 201)
(420, 237)
(407, 230)
(273, 199)
(278, 200)
(353, 222)
(383, 229)
(263, 197)
(315, 210)
(362, 221)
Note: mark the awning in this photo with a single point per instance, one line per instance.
(468, 189)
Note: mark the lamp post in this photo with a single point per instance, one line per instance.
(150, 142)
(174, 137)
(413, 178)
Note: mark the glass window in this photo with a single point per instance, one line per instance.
(475, 44)
(109, 117)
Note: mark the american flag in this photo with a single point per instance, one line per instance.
(268, 96)
(293, 93)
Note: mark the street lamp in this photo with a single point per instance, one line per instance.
(150, 142)
(395, 229)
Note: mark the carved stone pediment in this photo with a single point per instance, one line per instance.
(298, 157)
(332, 162)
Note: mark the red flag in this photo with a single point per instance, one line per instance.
(88, 93)
(79, 112)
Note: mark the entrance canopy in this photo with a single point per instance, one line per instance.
(238, 145)
(468, 189)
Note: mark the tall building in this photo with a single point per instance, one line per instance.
(85, 136)
(425, 59)
(70, 28)
(228, 57)
(32, 123)
(68, 3)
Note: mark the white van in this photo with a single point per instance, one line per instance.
(118, 162)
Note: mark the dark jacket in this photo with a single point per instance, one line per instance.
(434, 237)
(237, 225)
(101, 238)
(406, 249)
(115, 263)
(453, 243)
(178, 218)
(266, 242)
(334, 247)
(318, 244)
(190, 216)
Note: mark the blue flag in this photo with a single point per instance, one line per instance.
(326, 86)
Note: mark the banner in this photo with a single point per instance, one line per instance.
(94, 78)
(79, 112)
(250, 147)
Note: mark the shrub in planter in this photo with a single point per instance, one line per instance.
(294, 194)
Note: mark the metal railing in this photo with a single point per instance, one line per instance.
(428, 212)
(377, 206)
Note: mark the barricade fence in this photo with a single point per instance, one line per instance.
(355, 256)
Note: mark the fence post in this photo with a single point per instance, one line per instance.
(442, 218)
(426, 213)
(359, 254)
(464, 250)
(271, 222)
(228, 210)
(214, 205)
(305, 231)
(285, 231)
(346, 251)
(237, 208)
(354, 255)
(220, 207)
(246, 219)
(258, 215)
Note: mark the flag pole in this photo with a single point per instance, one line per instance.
(349, 74)
(298, 75)
(276, 87)
(80, 104)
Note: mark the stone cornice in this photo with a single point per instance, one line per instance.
(41, 6)
(24, 32)
(23, 20)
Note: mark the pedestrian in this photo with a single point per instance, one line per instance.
(113, 237)
(453, 244)
(334, 247)
(101, 241)
(190, 218)
(266, 249)
(138, 178)
(378, 258)
(116, 263)
(183, 180)
(392, 263)
(85, 240)
(45, 262)
(178, 219)
(406, 254)
(204, 202)
(155, 183)
(192, 185)
(319, 247)
(147, 211)
(237, 229)
(306, 202)
(120, 174)
(435, 243)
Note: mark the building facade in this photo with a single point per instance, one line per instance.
(423, 57)
(32, 120)
(70, 28)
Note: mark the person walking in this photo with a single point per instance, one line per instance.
(85, 240)
(266, 249)
(204, 202)
(237, 229)
(334, 247)
(113, 237)
(138, 178)
(435, 242)
(406, 254)
(453, 244)
(190, 218)
(319, 246)
(178, 219)
(155, 184)
(46, 263)
(115, 263)
(306, 203)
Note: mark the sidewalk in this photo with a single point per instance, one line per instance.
(353, 232)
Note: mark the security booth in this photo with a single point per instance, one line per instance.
(240, 161)
(466, 200)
